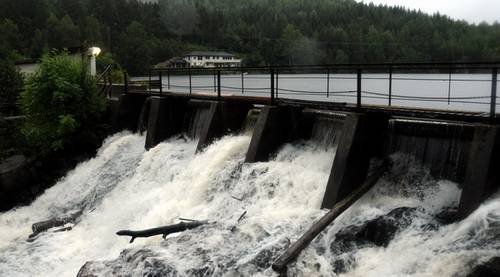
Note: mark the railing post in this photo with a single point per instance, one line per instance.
(215, 81)
(125, 82)
(327, 82)
(493, 101)
(190, 86)
(272, 86)
(390, 85)
(276, 89)
(242, 82)
(149, 79)
(358, 90)
(160, 77)
(168, 79)
(449, 85)
(218, 83)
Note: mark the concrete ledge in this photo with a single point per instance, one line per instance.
(166, 117)
(275, 126)
(362, 139)
(482, 173)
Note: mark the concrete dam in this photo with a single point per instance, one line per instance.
(288, 187)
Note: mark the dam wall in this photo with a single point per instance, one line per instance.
(464, 152)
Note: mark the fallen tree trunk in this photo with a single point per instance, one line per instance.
(293, 251)
(42, 226)
(164, 231)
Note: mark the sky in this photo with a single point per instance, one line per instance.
(473, 11)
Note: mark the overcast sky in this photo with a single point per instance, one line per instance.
(474, 11)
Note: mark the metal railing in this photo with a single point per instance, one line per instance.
(283, 82)
(104, 80)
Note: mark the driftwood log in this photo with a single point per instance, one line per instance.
(291, 253)
(164, 231)
(42, 226)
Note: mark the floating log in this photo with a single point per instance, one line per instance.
(164, 231)
(295, 249)
(42, 226)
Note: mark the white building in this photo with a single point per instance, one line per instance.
(211, 59)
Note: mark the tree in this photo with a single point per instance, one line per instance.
(289, 38)
(341, 57)
(135, 52)
(11, 82)
(68, 32)
(9, 34)
(180, 17)
(92, 30)
(38, 44)
(61, 103)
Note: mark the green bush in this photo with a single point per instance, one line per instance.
(11, 82)
(61, 103)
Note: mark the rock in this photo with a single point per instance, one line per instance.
(266, 256)
(131, 262)
(16, 181)
(14, 173)
(447, 216)
(489, 269)
(377, 232)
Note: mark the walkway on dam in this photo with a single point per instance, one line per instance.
(451, 91)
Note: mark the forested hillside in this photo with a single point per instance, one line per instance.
(261, 31)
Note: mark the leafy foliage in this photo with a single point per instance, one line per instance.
(11, 82)
(61, 103)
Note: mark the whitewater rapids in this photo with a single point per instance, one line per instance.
(125, 187)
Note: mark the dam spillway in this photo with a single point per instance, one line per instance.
(198, 167)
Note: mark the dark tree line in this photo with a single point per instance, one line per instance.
(140, 34)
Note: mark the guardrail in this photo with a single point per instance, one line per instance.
(276, 82)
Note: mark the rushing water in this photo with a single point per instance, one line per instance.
(124, 187)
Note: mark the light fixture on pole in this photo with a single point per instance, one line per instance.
(93, 52)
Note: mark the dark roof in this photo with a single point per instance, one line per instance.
(176, 60)
(209, 53)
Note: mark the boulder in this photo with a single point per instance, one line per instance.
(377, 232)
(489, 269)
(14, 173)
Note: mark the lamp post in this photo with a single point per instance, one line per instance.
(93, 52)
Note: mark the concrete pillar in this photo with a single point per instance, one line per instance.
(482, 173)
(166, 118)
(362, 139)
(275, 126)
(129, 110)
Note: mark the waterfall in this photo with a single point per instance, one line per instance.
(326, 129)
(444, 152)
(142, 124)
(195, 119)
(254, 210)
(155, 188)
